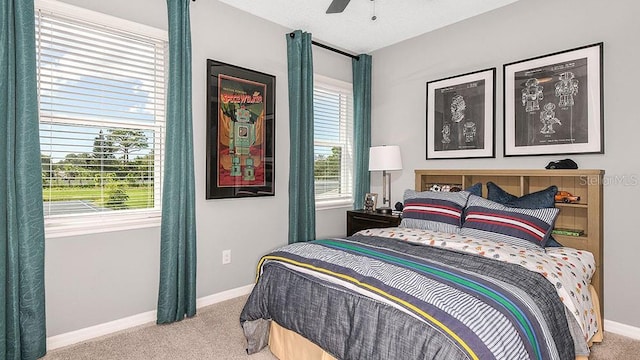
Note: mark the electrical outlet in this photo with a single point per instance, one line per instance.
(226, 257)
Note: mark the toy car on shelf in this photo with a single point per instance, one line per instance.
(566, 197)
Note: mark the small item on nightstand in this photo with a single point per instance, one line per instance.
(370, 202)
(368, 205)
(384, 210)
(399, 206)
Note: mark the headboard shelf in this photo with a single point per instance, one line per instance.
(585, 215)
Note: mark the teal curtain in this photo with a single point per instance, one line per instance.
(302, 203)
(361, 127)
(22, 309)
(177, 294)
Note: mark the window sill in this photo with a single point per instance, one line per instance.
(85, 225)
(333, 204)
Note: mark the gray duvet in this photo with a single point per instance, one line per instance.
(378, 298)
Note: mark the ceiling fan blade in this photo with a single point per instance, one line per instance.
(337, 6)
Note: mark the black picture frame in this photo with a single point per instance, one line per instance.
(554, 103)
(240, 132)
(461, 116)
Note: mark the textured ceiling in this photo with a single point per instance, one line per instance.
(354, 31)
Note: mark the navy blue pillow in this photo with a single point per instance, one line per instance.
(536, 200)
(475, 189)
(551, 242)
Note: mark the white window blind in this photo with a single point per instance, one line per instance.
(333, 141)
(102, 120)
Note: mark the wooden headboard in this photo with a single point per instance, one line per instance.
(585, 215)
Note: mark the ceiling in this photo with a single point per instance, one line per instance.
(354, 31)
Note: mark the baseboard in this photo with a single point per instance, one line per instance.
(91, 332)
(622, 329)
(74, 337)
(222, 296)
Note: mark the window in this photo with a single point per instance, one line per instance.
(101, 85)
(333, 142)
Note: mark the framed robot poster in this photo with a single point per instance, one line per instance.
(553, 104)
(461, 116)
(240, 132)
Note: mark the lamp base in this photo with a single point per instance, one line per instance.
(384, 210)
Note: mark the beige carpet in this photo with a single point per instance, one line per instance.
(214, 333)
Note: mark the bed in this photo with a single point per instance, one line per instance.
(451, 282)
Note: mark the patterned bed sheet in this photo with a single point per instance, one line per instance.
(568, 269)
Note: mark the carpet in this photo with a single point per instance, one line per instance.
(215, 333)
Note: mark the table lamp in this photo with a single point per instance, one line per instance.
(385, 158)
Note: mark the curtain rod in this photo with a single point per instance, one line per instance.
(330, 48)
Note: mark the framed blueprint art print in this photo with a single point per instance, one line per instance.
(461, 116)
(553, 104)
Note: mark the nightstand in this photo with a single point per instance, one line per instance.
(360, 220)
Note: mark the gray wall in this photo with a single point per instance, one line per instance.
(519, 31)
(93, 279)
(98, 278)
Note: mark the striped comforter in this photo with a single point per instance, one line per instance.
(378, 298)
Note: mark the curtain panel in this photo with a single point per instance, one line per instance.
(361, 68)
(22, 296)
(302, 209)
(177, 292)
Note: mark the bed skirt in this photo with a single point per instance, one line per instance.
(288, 345)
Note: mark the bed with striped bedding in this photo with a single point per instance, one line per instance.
(372, 297)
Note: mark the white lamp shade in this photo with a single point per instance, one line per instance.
(385, 158)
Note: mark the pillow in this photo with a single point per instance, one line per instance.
(536, 200)
(437, 211)
(552, 242)
(523, 227)
(475, 189)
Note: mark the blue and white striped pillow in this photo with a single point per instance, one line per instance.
(523, 227)
(437, 211)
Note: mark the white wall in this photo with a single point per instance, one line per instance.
(98, 278)
(519, 31)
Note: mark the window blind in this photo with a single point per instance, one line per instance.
(333, 140)
(102, 119)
